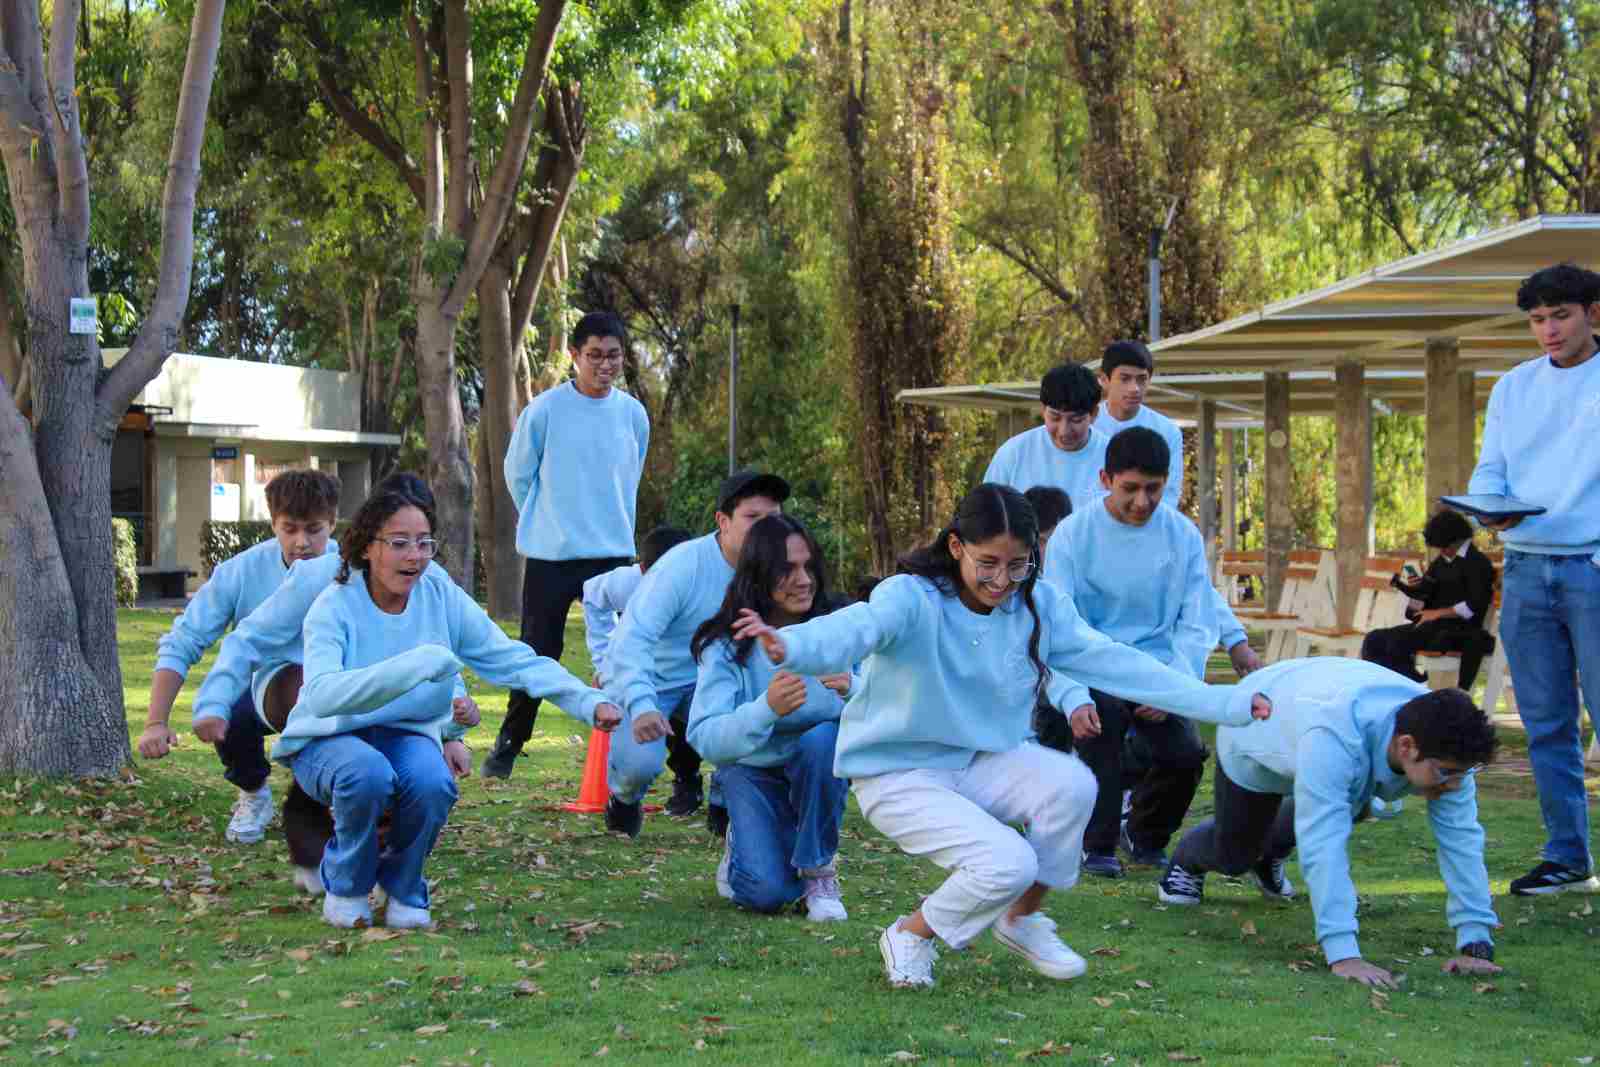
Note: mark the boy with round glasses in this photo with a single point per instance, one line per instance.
(1342, 732)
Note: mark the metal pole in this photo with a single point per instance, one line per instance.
(1155, 285)
(733, 390)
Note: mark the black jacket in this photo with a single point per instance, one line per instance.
(1469, 577)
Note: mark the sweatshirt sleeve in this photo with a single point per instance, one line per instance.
(724, 727)
(331, 690)
(643, 418)
(651, 610)
(1457, 832)
(1489, 476)
(524, 453)
(1230, 629)
(1324, 770)
(276, 624)
(599, 617)
(1002, 466)
(1093, 659)
(1195, 631)
(485, 648)
(1174, 489)
(838, 641)
(204, 619)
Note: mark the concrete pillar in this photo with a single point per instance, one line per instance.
(1353, 413)
(1467, 451)
(1205, 472)
(1280, 520)
(1442, 363)
(1372, 497)
(166, 500)
(247, 482)
(1230, 489)
(355, 485)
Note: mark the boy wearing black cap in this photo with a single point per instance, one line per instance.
(652, 670)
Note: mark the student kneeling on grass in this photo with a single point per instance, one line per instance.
(381, 653)
(1342, 732)
(957, 648)
(772, 732)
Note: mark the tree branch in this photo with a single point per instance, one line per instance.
(66, 132)
(457, 88)
(559, 164)
(159, 333)
(1024, 258)
(432, 197)
(364, 127)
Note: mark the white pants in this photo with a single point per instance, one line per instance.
(958, 819)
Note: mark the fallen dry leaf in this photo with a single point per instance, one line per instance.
(902, 1056)
(1248, 929)
(1104, 1002)
(1142, 984)
(432, 1031)
(1180, 1056)
(1484, 987)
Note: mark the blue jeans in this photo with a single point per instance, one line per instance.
(362, 774)
(783, 820)
(1550, 622)
(633, 766)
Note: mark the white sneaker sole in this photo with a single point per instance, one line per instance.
(1061, 971)
(888, 967)
(308, 881)
(244, 837)
(1175, 898)
(1588, 885)
(826, 914)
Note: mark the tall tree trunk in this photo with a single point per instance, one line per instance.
(503, 401)
(444, 431)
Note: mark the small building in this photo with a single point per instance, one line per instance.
(203, 439)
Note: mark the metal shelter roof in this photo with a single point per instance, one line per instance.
(1384, 317)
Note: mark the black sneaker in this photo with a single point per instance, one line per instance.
(1178, 886)
(717, 820)
(1270, 878)
(1102, 864)
(498, 763)
(1550, 878)
(624, 818)
(1142, 855)
(686, 797)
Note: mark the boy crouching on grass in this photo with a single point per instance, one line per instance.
(1344, 731)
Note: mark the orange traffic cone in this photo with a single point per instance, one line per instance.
(592, 794)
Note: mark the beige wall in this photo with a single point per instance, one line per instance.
(239, 392)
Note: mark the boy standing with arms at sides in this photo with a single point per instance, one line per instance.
(1342, 732)
(653, 672)
(1067, 452)
(1539, 447)
(1136, 571)
(573, 469)
(304, 505)
(606, 595)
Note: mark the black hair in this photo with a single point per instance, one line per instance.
(989, 510)
(1564, 283)
(763, 562)
(412, 485)
(656, 543)
(1127, 354)
(1138, 448)
(376, 510)
(1447, 725)
(1446, 528)
(864, 588)
(599, 324)
(303, 494)
(1050, 505)
(1071, 388)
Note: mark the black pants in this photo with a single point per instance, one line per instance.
(549, 588)
(1246, 827)
(1397, 646)
(243, 749)
(1166, 760)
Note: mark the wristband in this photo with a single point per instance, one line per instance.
(1478, 950)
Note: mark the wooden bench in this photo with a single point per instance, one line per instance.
(165, 583)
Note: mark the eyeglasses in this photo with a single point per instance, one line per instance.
(599, 358)
(1446, 777)
(989, 572)
(425, 545)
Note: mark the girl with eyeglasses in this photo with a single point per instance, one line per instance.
(382, 648)
(955, 649)
(772, 732)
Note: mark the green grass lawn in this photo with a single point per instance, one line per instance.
(131, 932)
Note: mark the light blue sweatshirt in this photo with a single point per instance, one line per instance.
(1540, 446)
(1110, 426)
(941, 683)
(366, 667)
(274, 634)
(1327, 746)
(730, 720)
(649, 653)
(1031, 458)
(236, 588)
(1144, 586)
(605, 596)
(573, 469)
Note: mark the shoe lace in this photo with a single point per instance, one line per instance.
(921, 955)
(1182, 880)
(824, 886)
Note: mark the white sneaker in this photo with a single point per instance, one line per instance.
(724, 886)
(1387, 809)
(309, 881)
(346, 912)
(907, 958)
(252, 814)
(822, 899)
(398, 916)
(1033, 937)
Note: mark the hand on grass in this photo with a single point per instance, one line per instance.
(1356, 969)
(211, 730)
(464, 711)
(749, 624)
(607, 717)
(457, 758)
(1085, 722)
(651, 726)
(157, 740)
(1470, 965)
(785, 693)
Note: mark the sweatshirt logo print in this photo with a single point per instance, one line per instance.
(1591, 406)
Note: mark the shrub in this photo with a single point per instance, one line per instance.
(221, 541)
(125, 558)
